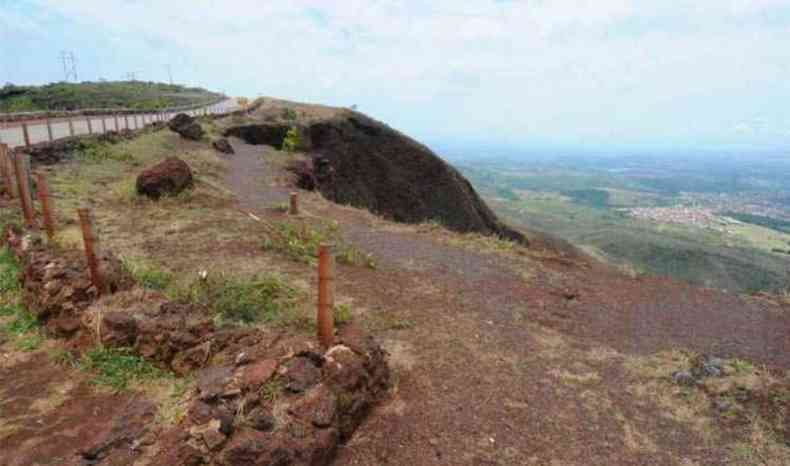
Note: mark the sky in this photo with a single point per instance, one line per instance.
(518, 73)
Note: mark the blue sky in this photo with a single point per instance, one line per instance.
(596, 73)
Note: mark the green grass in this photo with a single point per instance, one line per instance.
(301, 242)
(272, 390)
(74, 96)
(19, 323)
(22, 327)
(117, 368)
(342, 314)
(94, 151)
(9, 271)
(146, 274)
(263, 298)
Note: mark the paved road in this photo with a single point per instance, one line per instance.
(13, 135)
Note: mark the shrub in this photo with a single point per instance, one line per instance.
(292, 140)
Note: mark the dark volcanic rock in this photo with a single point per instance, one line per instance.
(270, 134)
(364, 163)
(222, 145)
(376, 167)
(171, 176)
(186, 126)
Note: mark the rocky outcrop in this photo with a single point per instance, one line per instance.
(292, 410)
(186, 126)
(270, 134)
(169, 177)
(222, 145)
(362, 162)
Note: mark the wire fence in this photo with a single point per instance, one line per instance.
(27, 129)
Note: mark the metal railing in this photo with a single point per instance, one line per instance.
(27, 129)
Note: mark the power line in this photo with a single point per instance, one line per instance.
(69, 61)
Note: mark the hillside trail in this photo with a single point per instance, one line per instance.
(500, 359)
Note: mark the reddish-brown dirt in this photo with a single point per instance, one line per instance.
(497, 358)
(468, 331)
(57, 415)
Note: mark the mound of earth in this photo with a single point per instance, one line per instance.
(362, 162)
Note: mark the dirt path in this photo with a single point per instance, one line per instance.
(506, 361)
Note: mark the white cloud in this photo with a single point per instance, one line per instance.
(555, 66)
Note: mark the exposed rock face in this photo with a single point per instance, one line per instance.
(186, 126)
(169, 177)
(222, 145)
(270, 134)
(364, 163)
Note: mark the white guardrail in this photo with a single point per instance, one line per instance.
(23, 130)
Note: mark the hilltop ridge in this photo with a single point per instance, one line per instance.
(359, 161)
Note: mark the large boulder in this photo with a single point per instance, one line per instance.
(186, 126)
(362, 162)
(169, 177)
(222, 145)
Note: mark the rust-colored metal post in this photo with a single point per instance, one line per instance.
(49, 130)
(71, 126)
(294, 204)
(326, 295)
(91, 242)
(46, 206)
(26, 134)
(8, 171)
(22, 166)
(115, 117)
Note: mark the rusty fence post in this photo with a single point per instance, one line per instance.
(91, 242)
(104, 124)
(49, 130)
(22, 166)
(26, 134)
(71, 126)
(90, 125)
(326, 295)
(8, 171)
(46, 206)
(115, 118)
(294, 204)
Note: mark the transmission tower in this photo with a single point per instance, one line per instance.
(69, 61)
(169, 73)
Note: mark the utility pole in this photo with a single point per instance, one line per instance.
(169, 73)
(69, 61)
(131, 76)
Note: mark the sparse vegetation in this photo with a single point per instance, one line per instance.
(342, 314)
(117, 368)
(272, 390)
(75, 96)
(146, 274)
(18, 323)
(300, 242)
(263, 298)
